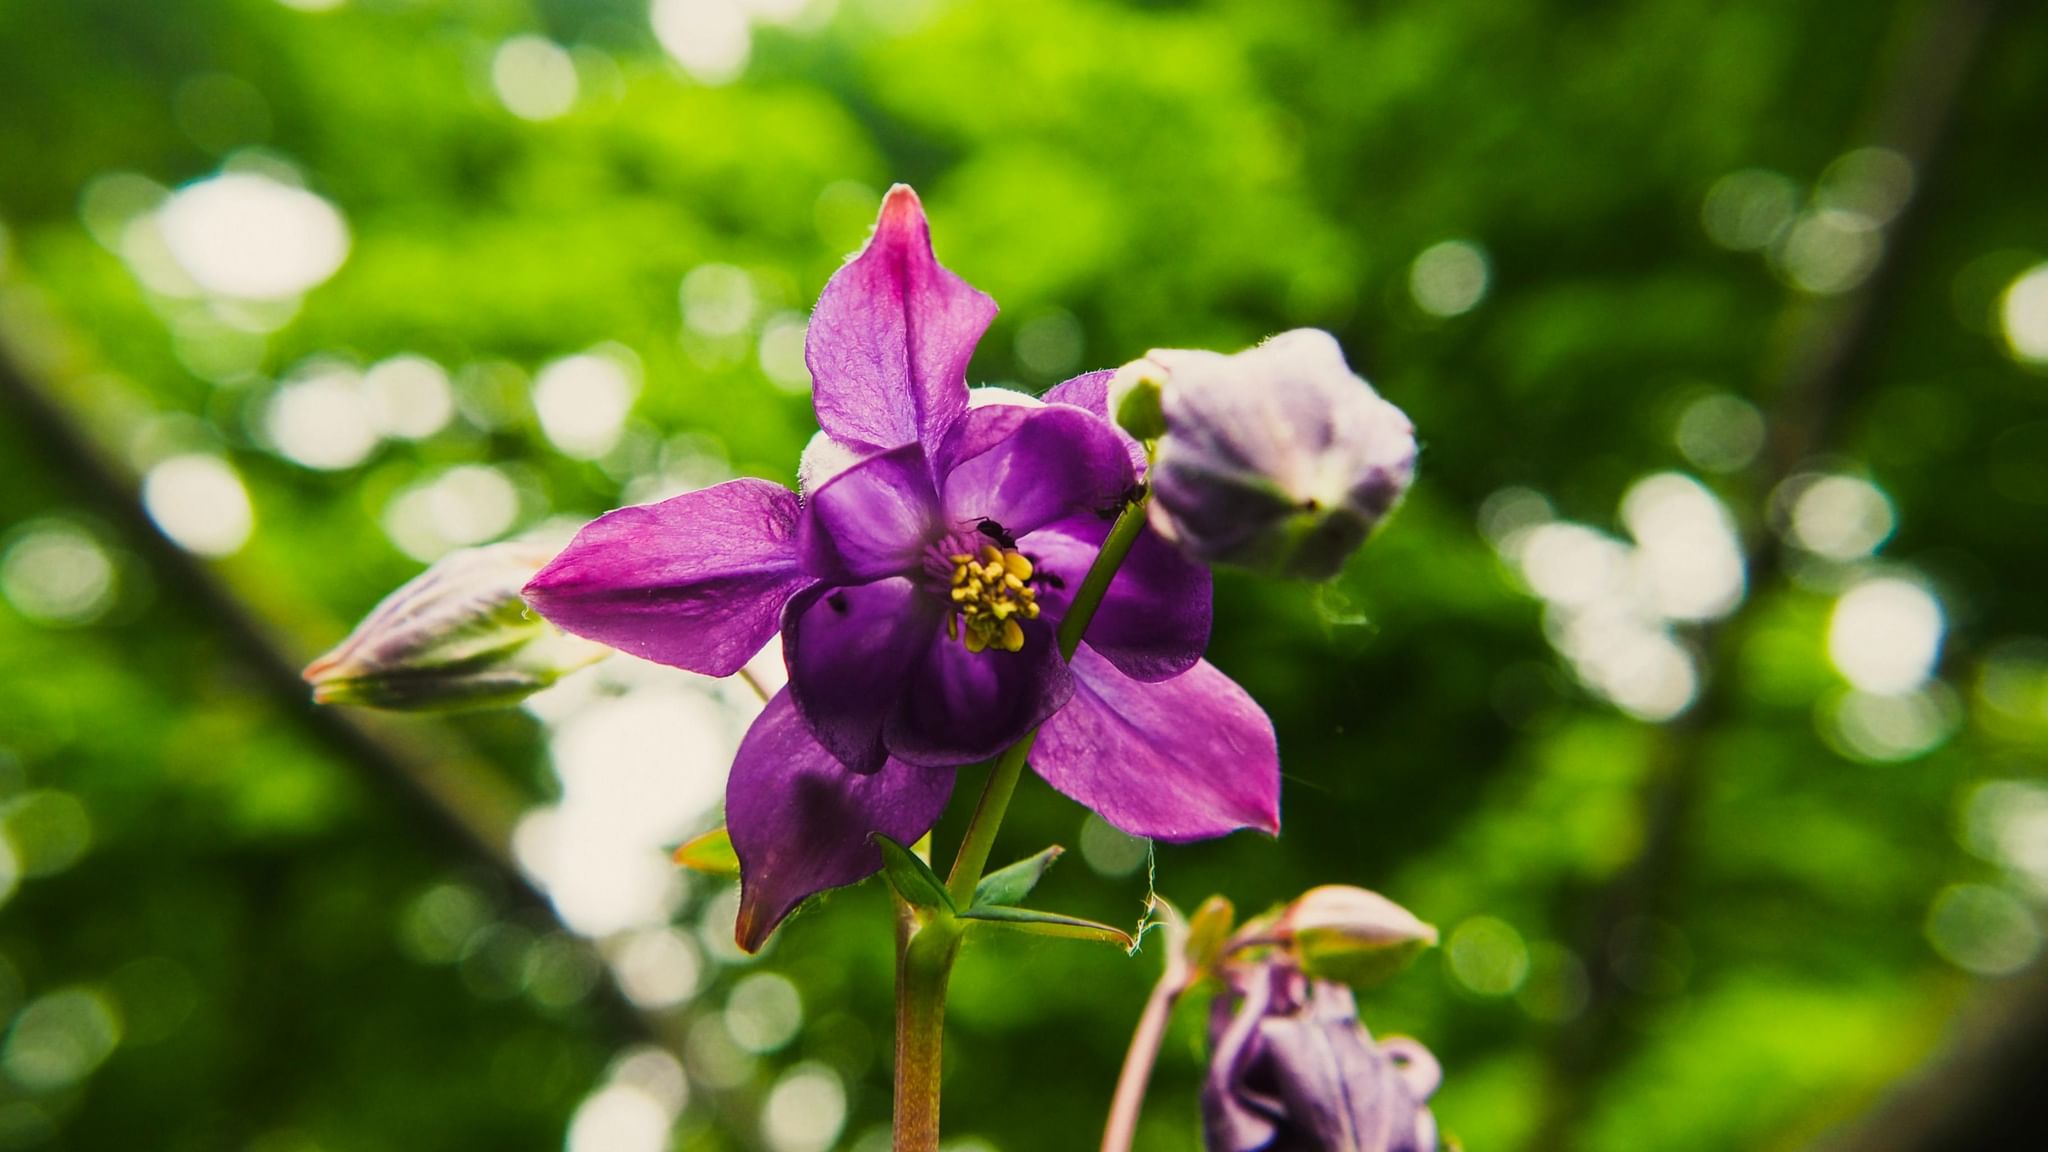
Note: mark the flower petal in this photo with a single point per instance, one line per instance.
(1126, 750)
(698, 581)
(1026, 467)
(1090, 390)
(961, 706)
(1154, 622)
(850, 651)
(872, 519)
(801, 823)
(889, 342)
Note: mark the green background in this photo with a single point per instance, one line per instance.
(238, 922)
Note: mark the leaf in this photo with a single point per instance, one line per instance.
(911, 877)
(1008, 885)
(710, 854)
(1047, 924)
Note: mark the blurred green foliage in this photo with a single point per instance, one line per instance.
(1733, 928)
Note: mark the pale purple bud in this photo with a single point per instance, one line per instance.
(1349, 934)
(1279, 459)
(1292, 1070)
(455, 636)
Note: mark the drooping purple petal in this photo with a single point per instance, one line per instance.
(1026, 467)
(1090, 391)
(872, 519)
(800, 823)
(851, 652)
(1154, 622)
(889, 342)
(1292, 1069)
(959, 706)
(1183, 759)
(698, 581)
(1235, 1119)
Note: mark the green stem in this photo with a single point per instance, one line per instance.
(925, 949)
(924, 963)
(1002, 780)
(1096, 586)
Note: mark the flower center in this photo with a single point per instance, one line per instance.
(991, 594)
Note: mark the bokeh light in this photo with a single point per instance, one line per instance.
(709, 38)
(1487, 956)
(60, 1039)
(1885, 635)
(805, 1110)
(408, 396)
(2023, 314)
(1449, 278)
(1839, 517)
(534, 78)
(248, 235)
(1983, 929)
(54, 572)
(763, 1012)
(320, 419)
(583, 401)
(1720, 432)
(1748, 210)
(200, 502)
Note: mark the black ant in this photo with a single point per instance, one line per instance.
(995, 532)
(1130, 496)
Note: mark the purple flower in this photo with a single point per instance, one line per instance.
(1291, 1069)
(918, 586)
(1278, 458)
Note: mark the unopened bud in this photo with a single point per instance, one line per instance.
(1134, 400)
(1279, 459)
(1351, 935)
(455, 636)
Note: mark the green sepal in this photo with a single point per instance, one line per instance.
(1208, 931)
(710, 854)
(912, 878)
(1139, 409)
(1006, 886)
(1048, 924)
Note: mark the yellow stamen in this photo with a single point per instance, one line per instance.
(991, 593)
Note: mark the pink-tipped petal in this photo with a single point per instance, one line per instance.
(801, 823)
(698, 582)
(1183, 759)
(889, 342)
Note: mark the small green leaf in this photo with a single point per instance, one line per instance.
(1008, 885)
(1047, 924)
(911, 877)
(710, 854)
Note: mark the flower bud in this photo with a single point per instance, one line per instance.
(1351, 935)
(1278, 459)
(455, 636)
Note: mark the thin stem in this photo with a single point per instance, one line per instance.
(754, 682)
(1096, 585)
(925, 950)
(980, 839)
(1138, 1061)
